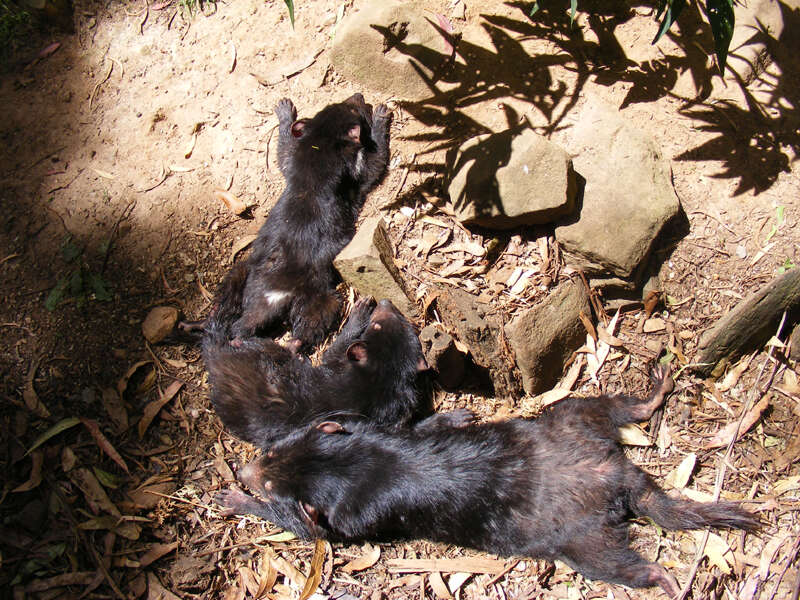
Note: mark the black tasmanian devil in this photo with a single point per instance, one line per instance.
(556, 487)
(330, 163)
(374, 370)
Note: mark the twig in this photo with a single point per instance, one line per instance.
(66, 185)
(789, 562)
(402, 179)
(125, 214)
(98, 84)
(177, 499)
(146, 15)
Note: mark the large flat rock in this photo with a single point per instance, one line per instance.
(628, 195)
(510, 179)
(393, 47)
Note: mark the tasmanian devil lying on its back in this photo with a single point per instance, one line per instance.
(556, 487)
(374, 370)
(329, 162)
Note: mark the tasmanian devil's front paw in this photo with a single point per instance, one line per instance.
(662, 378)
(285, 111)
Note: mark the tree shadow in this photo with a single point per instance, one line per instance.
(755, 143)
(473, 74)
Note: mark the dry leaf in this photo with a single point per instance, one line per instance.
(438, 586)
(732, 377)
(155, 552)
(234, 205)
(288, 569)
(115, 409)
(283, 536)
(180, 169)
(457, 580)
(93, 491)
(786, 485)
(474, 564)
(269, 575)
(724, 435)
(223, 469)
(588, 325)
(103, 443)
(315, 570)
(35, 478)
(242, 243)
(679, 477)
(103, 174)
(63, 580)
(156, 591)
(122, 384)
(552, 396)
(175, 364)
(190, 146)
(153, 408)
(365, 561)
(248, 579)
(29, 393)
(68, 459)
(633, 435)
(716, 549)
(159, 323)
(62, 425)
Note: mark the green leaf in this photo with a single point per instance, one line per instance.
(62, 425)
(671, 9)
(573, 8)
(535, 8)
(100, 288)
(56, 294)
(290, 6)
(108, 480)
(76, 283)
(69, 250)
(721, 19)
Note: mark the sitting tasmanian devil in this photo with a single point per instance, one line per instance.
(556, 487)
(374, 370)
(329, 162)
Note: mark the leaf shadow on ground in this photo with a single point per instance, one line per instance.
(755, 143)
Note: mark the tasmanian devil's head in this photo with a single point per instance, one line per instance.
(336, 137)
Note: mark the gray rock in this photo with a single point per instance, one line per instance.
(751, 323)
(627, 199)
(482, 334)
(544, 337)
(508, 179)
(367, 264)
(442, 355)
(392, 46)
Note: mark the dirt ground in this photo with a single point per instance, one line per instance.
(112, 148)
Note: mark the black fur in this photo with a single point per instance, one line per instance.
(330, 163)
(373, 370)
(558, 486)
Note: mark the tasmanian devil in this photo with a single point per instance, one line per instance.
(555, 487)
(374, 370)
(329, 162)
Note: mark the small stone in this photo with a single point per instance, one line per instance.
(741, 251)
(654, 324)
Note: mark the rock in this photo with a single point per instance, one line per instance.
(508, 179)
(366, 264)
(627, 198)
(546, 335)
(159, 323)
(392, 46)
(442, 355)
(482, 334)
(754, 320)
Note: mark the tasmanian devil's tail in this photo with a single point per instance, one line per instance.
(678, 513)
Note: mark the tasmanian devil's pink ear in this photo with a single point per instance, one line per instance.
(298, 127)
(331, 427)
(355, 133)
(310, 513)
(357, 351)
(422, 364)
